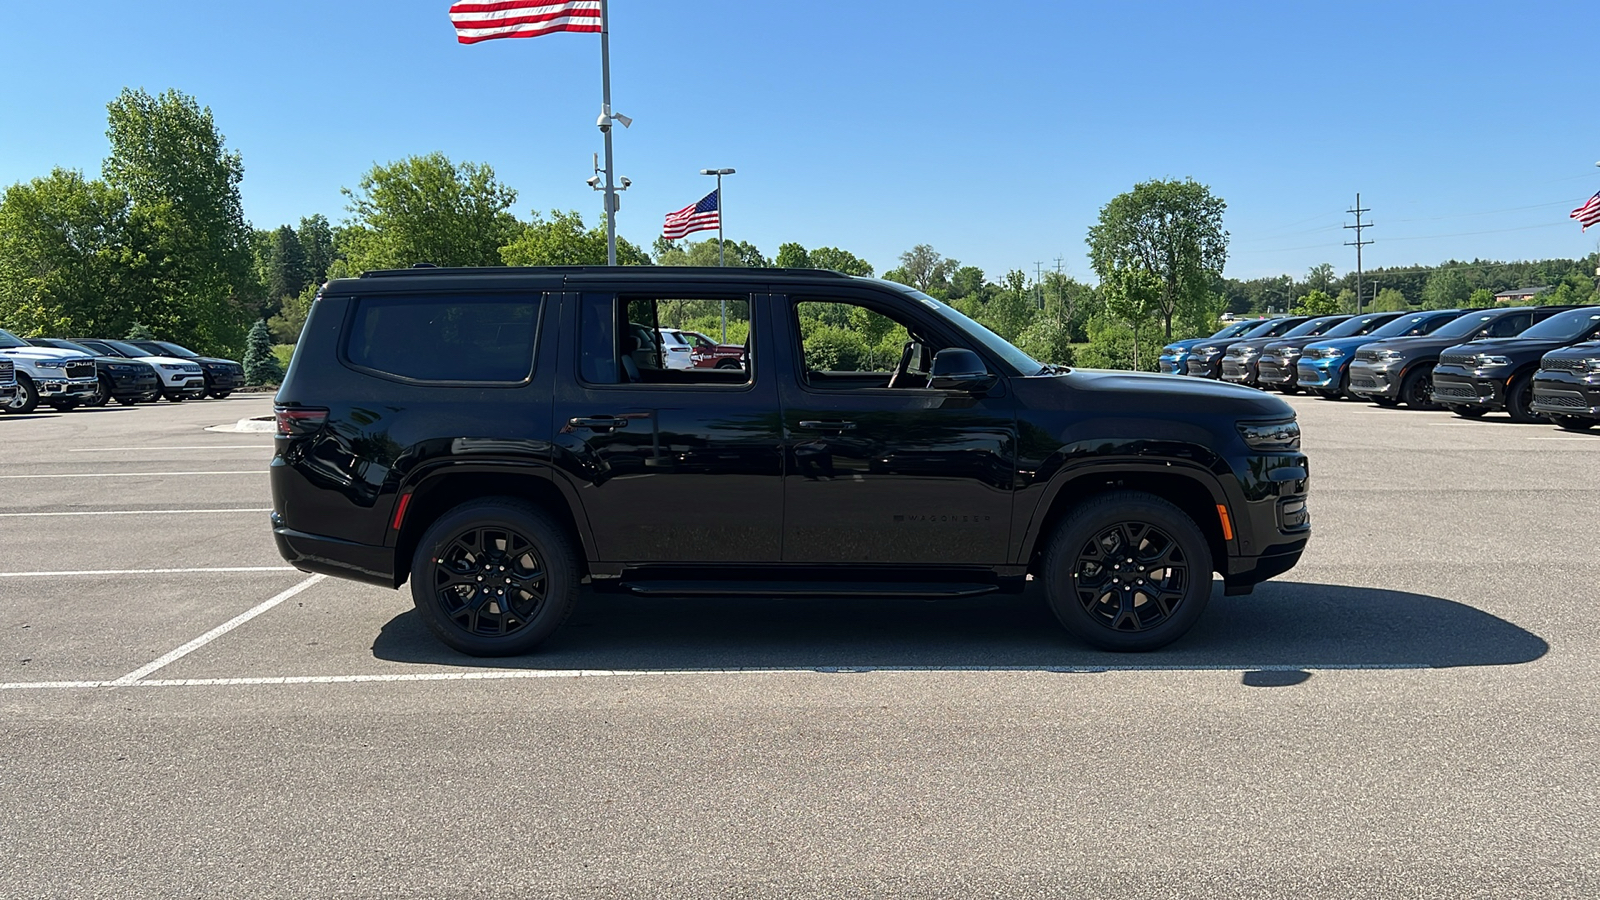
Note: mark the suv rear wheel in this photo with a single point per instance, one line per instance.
(494, 577)
(1128, 571)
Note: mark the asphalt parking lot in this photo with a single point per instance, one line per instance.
(1409, 713)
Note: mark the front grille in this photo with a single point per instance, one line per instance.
(1362, 381)
(1445, 389)
(1564, 365)
(1561, 399)
(8, 371)
(80, 369)
(1273, 372)
(1368, 355)
(1233, 367)
(1465, 360)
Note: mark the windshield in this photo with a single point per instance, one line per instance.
(1236, 329)
(9, 340)
(123, 348)
(994, 343)
(1411, 326)
(1314, 327)
(1566, 327)
(1357, 326)
(1272, 328)
(1468, 324)
(167, 348)
(63, 345)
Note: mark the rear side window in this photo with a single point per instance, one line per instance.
(450, 338)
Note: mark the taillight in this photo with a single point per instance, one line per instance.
(299, 420)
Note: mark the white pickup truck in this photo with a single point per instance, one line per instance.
(61, 378)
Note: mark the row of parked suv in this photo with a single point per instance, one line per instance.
(1536, 363)
(66, 374)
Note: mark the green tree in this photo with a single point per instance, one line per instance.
(563, 240)
(287, 274)
(1171, 230)
(969, 281)
(836, 260)
(65, 256)
(182, 183)
(260, 363)
(1127, 326)
(1320, 278)
(428, 209)
(1482, 298)
(704, 253)
(1447, 288)
(138, 333)
(1011, 310)
(290, 319)
(316, 246)
(793, 256)
(1316, 303)
(923, 268)
(1389, 300)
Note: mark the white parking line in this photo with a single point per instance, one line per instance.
(140, 474)
(131, 512)
(223, 569)
(1565, 437)
(142, 449)
(518, 674)
(214, 633)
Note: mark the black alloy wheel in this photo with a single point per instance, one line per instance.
(26, 399)
(1519, 400)
(1128, 571)
(1417, 389)
(494, 577)
(1573, 423)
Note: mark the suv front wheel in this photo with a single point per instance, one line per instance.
(494, 577)
(1128, 571)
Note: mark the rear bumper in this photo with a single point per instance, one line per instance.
(332, 556)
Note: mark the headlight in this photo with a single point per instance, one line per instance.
(1592, 366)
(1207, 351)
(118, 367)
(174, 367)
(1486, 361)
(1289, 352)
(1247, 352)
(1271, 435)
(52, 364)
(1171, 351)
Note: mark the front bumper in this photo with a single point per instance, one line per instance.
(184, 385)
(1565, 394)
(1277, 371)
(223, 380)
(141, 384)
(64, 388)
(1173, 365)
(1239, 370)
(1454, 386)
(1273, 523)
(1369, 379)
(1204, 366)
(1320, 374)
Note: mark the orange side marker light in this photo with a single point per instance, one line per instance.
(1222, 513)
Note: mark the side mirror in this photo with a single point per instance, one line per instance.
(957, 369)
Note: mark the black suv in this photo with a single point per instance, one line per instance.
(499, 436)
(1205, 360)
(223, 376)
(1240, 364)
(1566, 389)
(1497, 373)
(1400, 370)
(124, 380)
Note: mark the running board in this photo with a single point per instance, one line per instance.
(912, 590)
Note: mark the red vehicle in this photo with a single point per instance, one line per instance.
(708, 354)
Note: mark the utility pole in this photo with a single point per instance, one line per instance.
(1038, 283)
(1358, 243)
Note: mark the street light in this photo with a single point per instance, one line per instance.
(721, 248)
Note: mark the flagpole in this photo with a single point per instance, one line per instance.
(605, 128)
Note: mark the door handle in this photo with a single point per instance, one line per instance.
(598, 423)
(816, 425)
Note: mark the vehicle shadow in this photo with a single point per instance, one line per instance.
(1283, 625)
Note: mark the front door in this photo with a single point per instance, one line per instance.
(883, 469)
(671, 464)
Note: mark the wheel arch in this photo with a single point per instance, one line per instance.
(438, 492)
(1192, 490)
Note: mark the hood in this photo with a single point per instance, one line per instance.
(41, 353)
(1187, 343)
(1185, 396)
(1344, 343)
(167, 361)
(214, 361)
(1282, 343)
(1585, 350)
(1510, 346)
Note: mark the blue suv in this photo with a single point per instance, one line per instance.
(1324, 366)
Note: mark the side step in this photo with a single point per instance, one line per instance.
(913, 590)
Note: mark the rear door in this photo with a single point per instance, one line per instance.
(671, 465)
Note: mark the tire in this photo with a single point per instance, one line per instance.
(1289, 389)
(1326, 394)
(1417, 389)
(219, 395)
(125, 401)
(63, 405)
(1112, 609)
(26, 399)
(1385, 402)
(1519, 400)
(1468, 412)
(452, 556)
(1573, 423)
(172, 398)
(102, 393)
(729, 364)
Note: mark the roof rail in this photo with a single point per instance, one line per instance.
(431, 271)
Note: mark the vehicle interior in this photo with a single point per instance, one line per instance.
(850, 346)
(621, 344)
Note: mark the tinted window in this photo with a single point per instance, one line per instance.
(1313, 327)
(629, 340)
(8, 340)
(1510, 326)
(445, 338)
(1357, 326)
(1568, 326)
(1469, 324)
(1235, 329)
(168, 348)
(1273, 328)
(121, 348)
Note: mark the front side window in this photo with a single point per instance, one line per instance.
(445, 338)
(1510, 326)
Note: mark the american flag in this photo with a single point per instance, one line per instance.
(694, 217)
(1589, 213)
(486, 20)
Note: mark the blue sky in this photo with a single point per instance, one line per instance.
(994, 132)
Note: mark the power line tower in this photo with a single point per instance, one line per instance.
(1358, 243)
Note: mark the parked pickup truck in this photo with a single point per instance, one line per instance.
(62, 379)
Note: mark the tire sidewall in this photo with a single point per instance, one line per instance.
(28, 392)
(553, 547)
(1101, 512)
(1519, 393)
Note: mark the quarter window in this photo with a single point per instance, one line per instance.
(446, 339)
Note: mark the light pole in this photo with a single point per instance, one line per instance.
(721, 248)
(613, 193)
